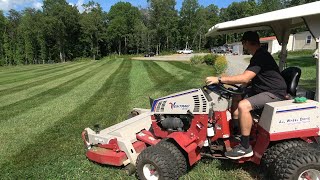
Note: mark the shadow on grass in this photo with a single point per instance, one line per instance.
(301, 61)
(254, 170)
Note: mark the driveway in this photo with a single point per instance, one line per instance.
(237, 64)
(173, 57)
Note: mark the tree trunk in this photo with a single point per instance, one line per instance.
(167, 42)
(119, 43)
(125, 45)
(200, 43)
(93, 51)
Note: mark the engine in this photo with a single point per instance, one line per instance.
(175, 122)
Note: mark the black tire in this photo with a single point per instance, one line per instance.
(297, 161)
(274, 152)
(179, 157)
(160, 159)
(133, 114)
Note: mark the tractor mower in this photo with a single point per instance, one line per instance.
(165, 141)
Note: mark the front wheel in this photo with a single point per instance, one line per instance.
(154, 163)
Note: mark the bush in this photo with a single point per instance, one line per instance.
(210, 59)
(196, 60)
(81, 59)
(220, 64)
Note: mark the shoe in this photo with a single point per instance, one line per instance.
(239, 152)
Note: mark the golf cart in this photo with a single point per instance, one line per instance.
(181, 128)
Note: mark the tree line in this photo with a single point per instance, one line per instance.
(59, 32)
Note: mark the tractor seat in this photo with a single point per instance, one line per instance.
(291, 75)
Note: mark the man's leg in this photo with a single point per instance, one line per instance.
(244, 149)
(245, 106)
(235, 114)
(245, 117)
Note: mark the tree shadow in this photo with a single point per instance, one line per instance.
(254, 170)
(301, 61)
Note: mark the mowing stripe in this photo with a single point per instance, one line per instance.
(37, 70)
(11, 110)
(21, 130)
(185, 66)
(15, 97)
(26, 76)
(21, 68)
(51, 145)
(140, 84)
(157, 74)
(174, 70)
(60, 144)
(11, 85)
(45, 79)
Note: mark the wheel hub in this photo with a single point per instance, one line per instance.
(150, 172)
(310, 174)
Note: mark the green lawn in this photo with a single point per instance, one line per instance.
(44, 109)
(308, 68)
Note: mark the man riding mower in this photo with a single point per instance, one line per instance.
(181, 128)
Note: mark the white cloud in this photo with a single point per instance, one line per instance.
(37, 5)
(79, 5)
(15, 4)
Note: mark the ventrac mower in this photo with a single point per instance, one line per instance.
(181, 128)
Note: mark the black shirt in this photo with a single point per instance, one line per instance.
(268, 77)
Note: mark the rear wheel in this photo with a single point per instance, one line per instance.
(179, 158)
(156, 163)
(276, 151)
(299, 163)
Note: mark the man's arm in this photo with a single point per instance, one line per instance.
(243, 78)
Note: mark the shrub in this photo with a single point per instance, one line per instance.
(196, 60)
(210, 59)
(220, 64)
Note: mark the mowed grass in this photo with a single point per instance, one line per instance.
(308, 70)
(44, 109)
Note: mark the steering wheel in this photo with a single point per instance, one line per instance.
(238, 90)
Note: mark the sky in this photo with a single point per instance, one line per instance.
(18, 5)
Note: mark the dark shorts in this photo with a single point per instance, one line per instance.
(259, 100)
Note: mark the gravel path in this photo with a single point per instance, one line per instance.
(236, 64)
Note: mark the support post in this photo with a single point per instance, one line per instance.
(318, 73)
(283, 53)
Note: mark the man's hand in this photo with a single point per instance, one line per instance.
(212, 80)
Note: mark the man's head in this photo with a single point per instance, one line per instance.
(251, 41)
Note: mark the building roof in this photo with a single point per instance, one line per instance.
(268, 38)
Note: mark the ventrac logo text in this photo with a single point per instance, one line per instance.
(179, 106)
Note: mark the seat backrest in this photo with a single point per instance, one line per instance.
(291, 75)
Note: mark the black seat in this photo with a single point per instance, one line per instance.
(291, 75)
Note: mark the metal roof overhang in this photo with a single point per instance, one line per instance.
(281, 21)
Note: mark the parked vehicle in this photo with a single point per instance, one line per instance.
(150, 54)
(185, 51)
